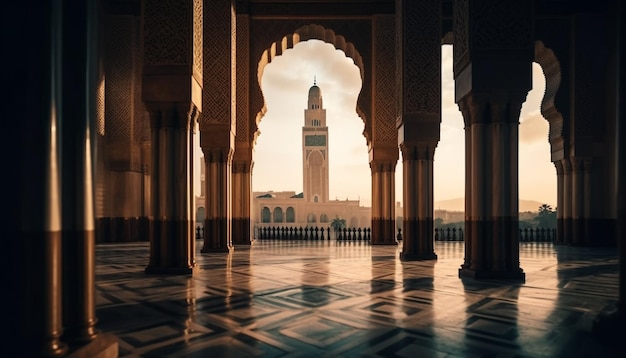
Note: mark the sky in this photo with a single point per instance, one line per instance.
(278, 154)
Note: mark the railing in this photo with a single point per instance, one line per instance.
(525, 235)
(312, 233)
(364, 234)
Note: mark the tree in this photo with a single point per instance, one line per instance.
(546, 218)
(337, 223)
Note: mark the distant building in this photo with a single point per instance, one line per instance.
(312, 206)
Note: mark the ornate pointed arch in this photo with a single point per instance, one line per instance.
(551, 67)
(313, 32)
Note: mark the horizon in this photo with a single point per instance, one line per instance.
(285, 84)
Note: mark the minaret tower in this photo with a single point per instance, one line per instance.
(315, 149)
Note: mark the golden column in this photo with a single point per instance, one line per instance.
(171, 91)
(419, 87)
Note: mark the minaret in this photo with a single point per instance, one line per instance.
(315, 149)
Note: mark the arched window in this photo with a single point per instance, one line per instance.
(315, 199)
(311, 218)
(323, 218)
(266, 216)
(291, 215)
(278, 215)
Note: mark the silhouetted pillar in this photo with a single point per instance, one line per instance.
(492, 79)
(560, 202)
(218, 181)
(418, 225)
(419, 52)
(171, 91)
(172, 232)
(383, 143)
(218, 122)
(383, 202)
(611, 325)
(49, 221)
(77, 160)
(242, 193)
(126, 128)
(244, 138)
(568, 208)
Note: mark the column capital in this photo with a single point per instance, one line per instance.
(172, 114)
(418, 151)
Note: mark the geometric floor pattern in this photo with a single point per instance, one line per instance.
(352, 299)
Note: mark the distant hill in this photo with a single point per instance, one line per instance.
(458, 204)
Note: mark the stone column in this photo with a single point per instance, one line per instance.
(383, 201)
(492, 78)
(242, 194)
(172, 239)
(610, 325)
(171, 91)
(559, 202)
(383, 146)
(218, 122)
(77, 159)
(418, 225)
(49, 217)
(122, 174)
(567, 201)
(418, 25)
(242, 159)
(578, 202)
(218, 183)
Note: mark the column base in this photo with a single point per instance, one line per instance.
(103, 346)
(211, 250)
(518, 276)
(417, 257)
(170, 270)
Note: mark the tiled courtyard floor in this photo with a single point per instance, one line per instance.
(329, 299)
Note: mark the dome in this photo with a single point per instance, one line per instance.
(315, 91)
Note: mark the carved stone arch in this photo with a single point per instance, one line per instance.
(551, 67)
(314, 32)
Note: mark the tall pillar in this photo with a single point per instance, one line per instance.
(242, 159)
(560, 202)
(418, 35)
(568, 200)
(122, 215)
(492, 78)
(418, 224)
(218, 122)
(172, 239)
(49, 260)
(383, 200)
(171, 91)
(383, 146)
(611, 325)
(242, 194)
(77, 157)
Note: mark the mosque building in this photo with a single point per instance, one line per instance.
(311, 207)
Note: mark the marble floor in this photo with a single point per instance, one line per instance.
(351, 299)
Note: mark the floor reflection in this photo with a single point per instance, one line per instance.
(311, 298)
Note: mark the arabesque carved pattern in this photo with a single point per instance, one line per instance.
(118, 86)
(166, 29)
(197, 36)
(384, 91)
(216, 93)
(421, 49)
(242, 81)
(460, 50)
